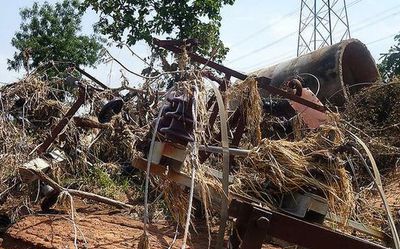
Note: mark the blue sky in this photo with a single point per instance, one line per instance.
(247, 26)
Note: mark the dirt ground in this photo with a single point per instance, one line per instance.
(98, 226)
(94, 231)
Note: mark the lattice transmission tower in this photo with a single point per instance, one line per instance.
(322, 23)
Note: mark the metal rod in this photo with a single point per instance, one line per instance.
(199, 59)
(63, 122)
(315, 24)
(263, 82)
(347, 18)
(300, 24)
(219, 150)
(260, 222)
(98, 82)
(330, 23)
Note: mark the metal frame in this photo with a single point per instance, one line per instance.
(255, 225)
(263, 82)
(322, 23)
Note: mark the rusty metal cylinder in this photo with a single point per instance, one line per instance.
(340, 69)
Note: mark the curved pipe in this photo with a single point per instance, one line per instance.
(337, 67)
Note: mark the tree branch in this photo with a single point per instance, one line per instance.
(86, 195)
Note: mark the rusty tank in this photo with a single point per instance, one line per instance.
(341, 69)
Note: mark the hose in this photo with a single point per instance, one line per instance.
(149, 159)
(194, 150)
(316, 79)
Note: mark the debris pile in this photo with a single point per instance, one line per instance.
(374, 114)
(102, 147)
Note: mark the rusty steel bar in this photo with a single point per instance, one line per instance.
(63, 122)
(219, 150)
(337, 67)
(170, 46)
(211, 76)
(92, 78)
(257, 224)
(264, 82)
(239, 131)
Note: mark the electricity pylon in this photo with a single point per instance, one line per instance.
(322, 23)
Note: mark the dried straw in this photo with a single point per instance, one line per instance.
(280, 166)
(245, 96)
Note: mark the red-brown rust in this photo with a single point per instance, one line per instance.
(342, 65)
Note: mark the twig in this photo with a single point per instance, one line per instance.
(71, 202)
(175, 236)
(133, 90)
(378, 183)
(140, 58)
(79, 193)
(7, 190)
(138, 74)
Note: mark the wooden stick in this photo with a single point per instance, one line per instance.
(86, 195)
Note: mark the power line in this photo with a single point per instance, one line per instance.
(383, 38)
(271, 63)
(353, 3)
(280, 39)
(377, 15)
(273, 60)
(264, 28)
(376, 21)
(264, 47)
(283, 57)
(363, 25)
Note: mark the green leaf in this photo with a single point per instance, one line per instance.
(51, 32)
(172, 19)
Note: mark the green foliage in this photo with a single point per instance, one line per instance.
(390, 65)
(138, 20)
(103, 183)
(51, 33)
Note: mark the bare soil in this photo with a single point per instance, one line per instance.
(98, 226)
(94, 231)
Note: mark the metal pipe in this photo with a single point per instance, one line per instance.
(337, 67)
(232, 151)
